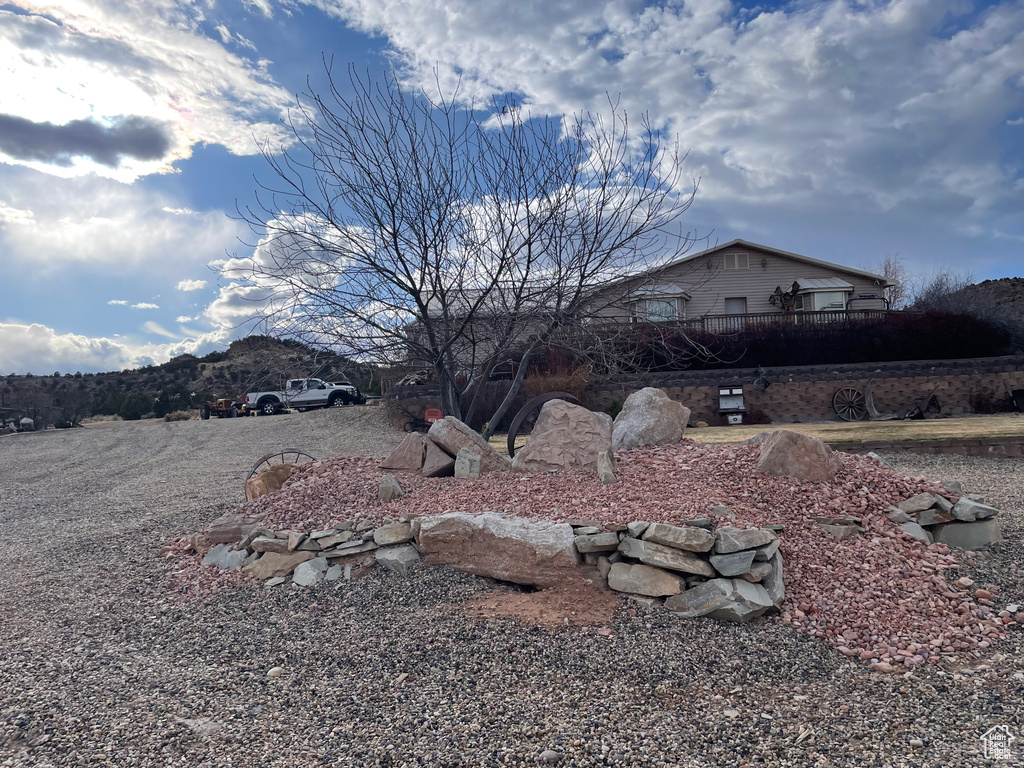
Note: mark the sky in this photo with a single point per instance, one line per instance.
(130, 132)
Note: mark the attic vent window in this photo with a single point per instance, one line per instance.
(736, 261)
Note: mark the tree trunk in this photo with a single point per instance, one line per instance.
(513, 390)
(449, 393)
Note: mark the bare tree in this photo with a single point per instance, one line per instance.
(415, 229)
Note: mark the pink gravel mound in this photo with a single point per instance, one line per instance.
(881, 596)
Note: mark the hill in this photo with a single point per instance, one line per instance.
(253, 363)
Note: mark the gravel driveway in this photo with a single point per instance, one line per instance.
(100, 666)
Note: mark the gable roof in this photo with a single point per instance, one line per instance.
(778, 252)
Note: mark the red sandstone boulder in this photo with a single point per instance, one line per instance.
(789, 454)
(268, 481)
(407, 457)
(436, 462)
(452, 435)
(565, 437)
(507, 548)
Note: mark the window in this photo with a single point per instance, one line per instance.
(829, 301)
(736, 306)
(662, 310)
(820, 301)
(736, 261)
(665, 310)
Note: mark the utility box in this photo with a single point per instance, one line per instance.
(730, 404)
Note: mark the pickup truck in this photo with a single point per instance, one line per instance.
(303, 394)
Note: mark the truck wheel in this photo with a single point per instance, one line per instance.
(337, 400)
(268, 408)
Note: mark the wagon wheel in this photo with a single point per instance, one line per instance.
(528, 410)
(284, 456)
(850, 404)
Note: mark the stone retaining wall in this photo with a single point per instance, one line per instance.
(804, 393)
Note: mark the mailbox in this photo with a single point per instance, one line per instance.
(730, 404)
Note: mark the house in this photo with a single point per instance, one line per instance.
(740, 278)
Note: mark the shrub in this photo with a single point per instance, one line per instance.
(178, 416)
(757, 416)
(614, 408)
(135, 407)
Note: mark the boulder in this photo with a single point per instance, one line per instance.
(332, 541)
(968, 535)
(931, 517)
(606, 467)
(772, 583)
(967, 510)
(724, 599)
(649, 417)
(918, 503)
(734, 564)
(268, 481)
(436, 461)
(507, 548)
(637, 527)
(269, 544)
(395, 533)
(467, 463)
(452, 435)
(660, 556)
(407, 457)
(789, 454)
(231, 528)
(642, 580)
(399, 560)
(898, 516)
(729, 539)
(565, 437)
(758, 572)
(311, 572)
(225, 558)
(274, 564)
(767, 552)
(597, 542)
(679, 537)
(389, 489)
(916, 531)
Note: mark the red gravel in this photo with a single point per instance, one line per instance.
(881, 596)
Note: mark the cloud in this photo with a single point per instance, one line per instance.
(146, 60)
(183, 319)
(145, 305)
(796, 104)
(36, 347)
(118, 303)
(99, 222)
(155, 328)
(135, 137)
(191, 285)
(177, 211)
(10, 215)
(1018, 121)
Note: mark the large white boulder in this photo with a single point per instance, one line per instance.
(649, 417)
(508, 548)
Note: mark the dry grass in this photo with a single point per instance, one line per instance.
(970, 427)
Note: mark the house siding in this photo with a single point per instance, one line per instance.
(710, 284)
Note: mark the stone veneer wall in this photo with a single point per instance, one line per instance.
(804, 393)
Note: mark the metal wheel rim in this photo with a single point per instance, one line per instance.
(284, 456)
(850, 404)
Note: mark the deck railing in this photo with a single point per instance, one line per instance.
(732, 324)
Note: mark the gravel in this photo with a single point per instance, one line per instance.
(100, 666)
